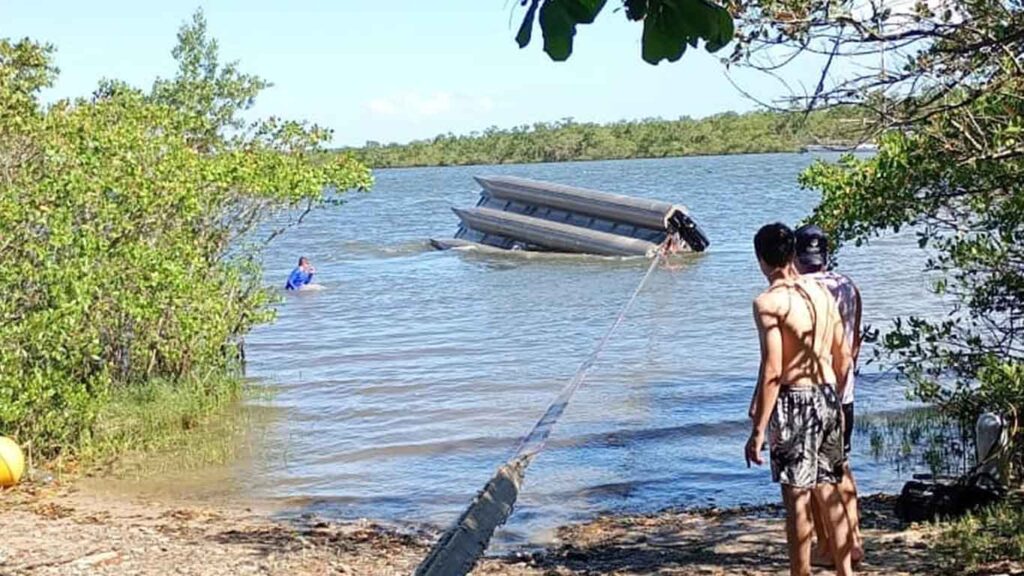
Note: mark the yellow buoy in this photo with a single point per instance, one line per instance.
(12, 462)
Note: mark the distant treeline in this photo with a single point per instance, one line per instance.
(565, 140)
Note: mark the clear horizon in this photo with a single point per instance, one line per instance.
(408, 72)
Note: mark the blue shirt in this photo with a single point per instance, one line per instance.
(298, 278)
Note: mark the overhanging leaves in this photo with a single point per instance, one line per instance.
(666, 32)
(526, 28)
(558, 21)
(635, 9)
(669, 25)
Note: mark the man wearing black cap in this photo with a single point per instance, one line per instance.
(812, 261)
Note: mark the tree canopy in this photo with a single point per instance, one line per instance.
(127, 222)
(726, 133)
(941, 83)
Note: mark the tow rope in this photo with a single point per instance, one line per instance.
(459, 548)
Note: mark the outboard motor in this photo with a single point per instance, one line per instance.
(681, 224)
(992, 440)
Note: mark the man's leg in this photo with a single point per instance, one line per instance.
(832, 506)
(847, 486)
(848, 494)
(821, 552)
(798, 529)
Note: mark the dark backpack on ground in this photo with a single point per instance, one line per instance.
(928, 498)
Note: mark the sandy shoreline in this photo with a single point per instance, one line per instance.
(66, 530)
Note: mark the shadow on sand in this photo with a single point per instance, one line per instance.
(748, 542)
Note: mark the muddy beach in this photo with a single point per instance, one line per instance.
(69, 531)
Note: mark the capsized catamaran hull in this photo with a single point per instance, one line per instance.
(552, 236)
(521, 214)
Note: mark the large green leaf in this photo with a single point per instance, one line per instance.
(584, 11)
(558, 20)
(558, 28)
(526, 28)
(635, 9)
(665, 33)
(695, 19)
(724, 30)
(670, 25)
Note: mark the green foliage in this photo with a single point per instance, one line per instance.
(669, 25)
(992, 535)
(208, 93)
(558, 20)
(968, 210)
(944, 105)
(25, 68)
(727, 133)
(127, 252)
(970, 215)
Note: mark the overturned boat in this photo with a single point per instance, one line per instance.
(521, 214)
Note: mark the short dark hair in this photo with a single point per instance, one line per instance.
(775, 244)
(302, 259)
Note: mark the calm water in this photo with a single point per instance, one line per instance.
(402, 386)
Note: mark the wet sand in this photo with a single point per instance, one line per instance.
(69, 531)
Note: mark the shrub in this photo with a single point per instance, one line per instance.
(991, 535)
(127, 232)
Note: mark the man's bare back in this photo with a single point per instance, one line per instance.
(807, 318)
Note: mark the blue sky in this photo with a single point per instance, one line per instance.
(388, 71)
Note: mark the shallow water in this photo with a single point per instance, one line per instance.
(401, 386)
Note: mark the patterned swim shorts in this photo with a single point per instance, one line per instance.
(805, 437)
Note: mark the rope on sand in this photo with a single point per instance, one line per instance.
(459, 548)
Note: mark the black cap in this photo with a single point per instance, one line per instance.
(811, 247)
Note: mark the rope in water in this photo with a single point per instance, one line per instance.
(534, 442)
(459, 548)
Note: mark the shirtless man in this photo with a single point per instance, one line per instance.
(803, 352)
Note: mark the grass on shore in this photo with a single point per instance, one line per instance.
(194, 418)
(992, 535)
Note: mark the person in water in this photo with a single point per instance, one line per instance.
(301, 276)
(812, 261)
(796, 405)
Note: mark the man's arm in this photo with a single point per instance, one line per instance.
(857, 333)
(769, 332)
(760, 370)
(842, 357)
